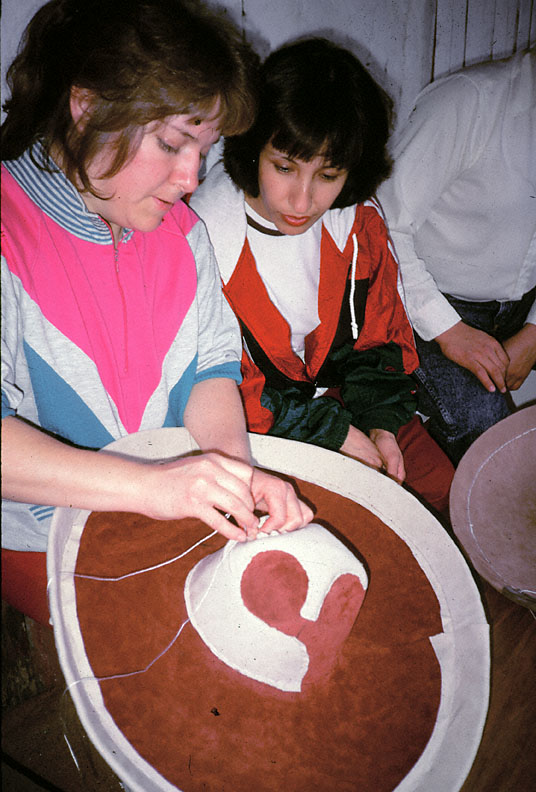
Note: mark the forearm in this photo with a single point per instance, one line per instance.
(214, 416)
(37, 468)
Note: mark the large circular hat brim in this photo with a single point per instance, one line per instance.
(493, 506)
(202, 724)
(403, 709)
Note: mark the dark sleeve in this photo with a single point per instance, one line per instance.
(297, 416)
(375, 388)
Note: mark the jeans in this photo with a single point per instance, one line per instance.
(459, 406)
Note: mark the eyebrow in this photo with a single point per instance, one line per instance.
(181, 131)
(283, 155)
(187, 134)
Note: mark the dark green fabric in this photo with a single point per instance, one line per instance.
(375, 388)
(376, 392)
(323, 421)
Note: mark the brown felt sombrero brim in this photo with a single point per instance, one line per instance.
(196, 724)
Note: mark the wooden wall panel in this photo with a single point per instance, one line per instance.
(405, 43)
(479, 31)
(526, 24)
(471, 31)
(449, 41)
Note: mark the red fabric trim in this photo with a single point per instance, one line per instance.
(385, 317)
(249, 299)
(333, 277)
(259, 418)
(24, 583)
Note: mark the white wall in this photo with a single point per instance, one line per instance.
(405, 43)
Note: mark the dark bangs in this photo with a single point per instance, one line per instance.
(317, 99)
(311, 136)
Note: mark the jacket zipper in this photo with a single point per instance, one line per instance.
(124, 307)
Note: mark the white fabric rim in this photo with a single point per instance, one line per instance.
(462, 649)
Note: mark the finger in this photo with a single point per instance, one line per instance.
(292, 518)
(285, 513)
(514, 382)
(307, 514)
(482, 374)
(372, 458)
(274, 503)
(216, 488)
(233, 479)
(218, 522)
(498, 375)
(399, 472)
(242, 512)
(502, 356)
(495, 363)
(392, 466)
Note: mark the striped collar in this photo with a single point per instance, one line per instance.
(54, 194)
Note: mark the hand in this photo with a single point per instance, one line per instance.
(393, 461)
(379, 451)
(478, 352)
(521, 350)
(359, 446)
(277, 497)
(205, 486)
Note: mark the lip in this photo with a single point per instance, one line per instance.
(165, 205)
(295, 221)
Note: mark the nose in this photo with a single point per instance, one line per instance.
(185, 173)
(301, 197)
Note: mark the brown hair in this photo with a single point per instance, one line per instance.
(138, 60)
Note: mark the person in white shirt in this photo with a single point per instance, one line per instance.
(461, 208)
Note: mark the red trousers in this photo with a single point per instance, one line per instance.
(429, 471)
(24, 583)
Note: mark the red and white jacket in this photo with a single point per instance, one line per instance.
(363, 331)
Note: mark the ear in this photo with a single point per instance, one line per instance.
(80, 103)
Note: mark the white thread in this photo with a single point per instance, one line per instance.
(355, 329)
(226, 550)
(130, 673)
(139, 572)
(72, 752)
(155, 659)
(147, 569)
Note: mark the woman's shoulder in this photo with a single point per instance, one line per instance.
(221, 207)
(217, 197)
(342, 223)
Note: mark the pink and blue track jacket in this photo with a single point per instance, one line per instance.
(100, 341)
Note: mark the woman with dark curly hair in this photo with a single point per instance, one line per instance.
(308, 267)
